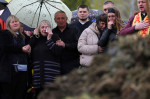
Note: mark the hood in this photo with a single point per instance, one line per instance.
(93, 27)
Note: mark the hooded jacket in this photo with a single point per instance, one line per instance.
(88, 44)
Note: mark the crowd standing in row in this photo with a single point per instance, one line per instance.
(37, 60)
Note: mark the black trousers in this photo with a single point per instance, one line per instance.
(67, 67)
(17, 88)
(37, 92)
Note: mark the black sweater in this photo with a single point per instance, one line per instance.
(81, 27)
(106, 37)
(45, 56)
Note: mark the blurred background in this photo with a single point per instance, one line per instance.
(126, 7)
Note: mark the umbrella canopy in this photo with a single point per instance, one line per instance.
(93, 14)
(32, 12)
(6, 13)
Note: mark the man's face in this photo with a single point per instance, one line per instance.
(83, 13)
(106, 6)
(141, 5)
(61, 19)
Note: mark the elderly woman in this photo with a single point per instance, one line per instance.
(13, 61)
(88, 41)
(45, 56)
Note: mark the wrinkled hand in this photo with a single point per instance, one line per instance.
(142, 25)
(50, 33)
(26, 49)
(100, 49)
(110, 24)
(60, 43)
(36, 31)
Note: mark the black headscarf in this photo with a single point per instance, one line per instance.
(111, 10)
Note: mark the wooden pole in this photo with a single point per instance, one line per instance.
(148, 10)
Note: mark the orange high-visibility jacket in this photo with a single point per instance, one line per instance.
(2, 24)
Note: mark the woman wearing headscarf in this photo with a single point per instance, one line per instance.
(13, 61)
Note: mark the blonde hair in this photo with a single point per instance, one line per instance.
(8, 26)
(43, 21)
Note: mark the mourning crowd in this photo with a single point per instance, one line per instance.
(29, 60)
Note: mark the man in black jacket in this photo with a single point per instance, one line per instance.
(83, 21)
(68, 36)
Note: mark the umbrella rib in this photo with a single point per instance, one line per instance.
(48, 12)
(41, 4)
(54, 2)
(53, 6)
(26, 6)
(35, 14)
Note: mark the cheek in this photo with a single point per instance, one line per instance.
(109, 18)
(104, 26)
(100, 26)
(114, 19)
(11, 26)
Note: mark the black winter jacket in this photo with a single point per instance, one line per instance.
(7, 51)
(106, 37)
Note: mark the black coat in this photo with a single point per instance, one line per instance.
(106, 37)
(69, 37)
(81, 27)
(70, 55)
(45, 58)
(7, 50)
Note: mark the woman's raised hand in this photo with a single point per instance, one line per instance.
(36, 31)
(50, 33)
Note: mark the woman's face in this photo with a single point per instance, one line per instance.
(111, 17)
(14, 25)
(43, 29)
(102, 25)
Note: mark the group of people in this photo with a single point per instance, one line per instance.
(37, 60)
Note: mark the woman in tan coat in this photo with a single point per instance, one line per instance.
(88, 41)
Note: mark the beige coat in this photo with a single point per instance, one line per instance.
(88, 44)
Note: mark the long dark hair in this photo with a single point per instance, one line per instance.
(101, 18)
(118, 22)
